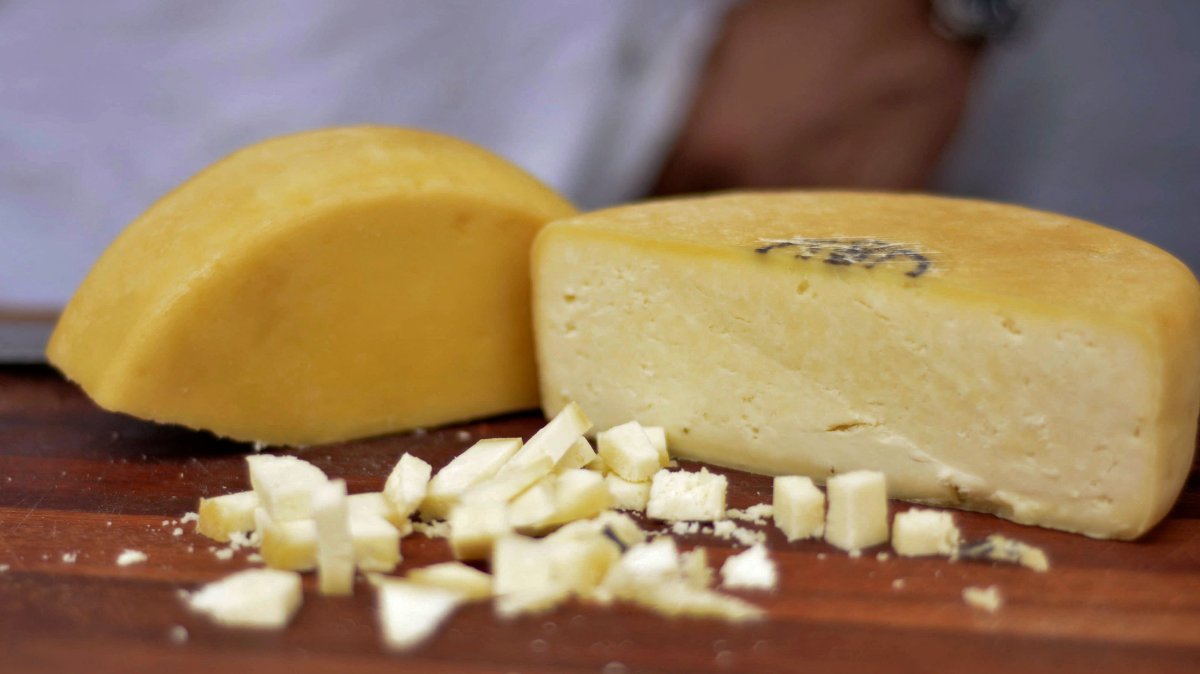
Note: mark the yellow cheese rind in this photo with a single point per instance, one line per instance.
(1042, 368)
(328, 285)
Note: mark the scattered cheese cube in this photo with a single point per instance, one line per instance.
(695, 568)
(858, 516)
(474, 527)
(983, 598)
(335, 547)
(375, 503)
(799, 507)
(288, 546)
(477, 463)
(533, 575)
(627, 451)
(262, 598)
(618, 527)
(410, 613)
(552, 441)
(284, 484)
(579, 455)
(749, 570)
(467, 581)
(578, 494)
(221, 516)
(508, 484)
(627, 495)
(683, 495)
(919, 532)
(376, 543)
(658, 438)
(406, 485)
(530, 511)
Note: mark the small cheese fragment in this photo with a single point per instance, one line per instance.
(696, 571)
(1001, 549)
(534, 575)
(983, 598)
(409, 613)
(627, 495)
(628, 452)
(798, 507)
(376, 543)
(284, 484)
(289, 545)
(333, 284)
(479, 462)
(335, 546)
(919, 532)
(751, 569)
(474, 527)
(467, 581)
(579, 455)
(858, 515)
(552, 441)
(407, 484)
(221, 516)
(259, 598)
(375, 503)
(683, 495)
(980, 355)
(131, 557)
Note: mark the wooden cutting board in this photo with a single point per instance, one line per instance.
(80, 483)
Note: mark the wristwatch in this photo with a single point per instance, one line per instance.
(974, 20)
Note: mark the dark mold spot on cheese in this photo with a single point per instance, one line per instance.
(847, 251)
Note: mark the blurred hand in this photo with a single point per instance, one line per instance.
(839, 93)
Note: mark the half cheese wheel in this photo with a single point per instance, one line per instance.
(984, 356)
(317, 287)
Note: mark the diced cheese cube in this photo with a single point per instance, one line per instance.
(474, 527)
(858, 515)
(260, 598)
(627, 451)
(221, 516)
(376, 543)
(658, 438)
(534, 575)
(518, 565)
(579, 455)
(749, 570)
(618, 527)
(534, 507)
(627, 495)
(409, 613)
(375, 503)
(917, 532)
(457, 577)
(683, 495)
(597, 464)
(508, 484)
(1065, 352)
(578, 494)
(695, 568)
(799, 507)
(288, 546)
(284, 484)
(644, 565)
(478, 463)
(335, 547)
(553, 440)
(406, 485)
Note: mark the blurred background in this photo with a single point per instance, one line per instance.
(1086, 107)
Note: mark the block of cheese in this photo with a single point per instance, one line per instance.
(983, 356)
(327, 285)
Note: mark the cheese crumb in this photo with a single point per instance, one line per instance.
(749, 570)
(983, 598)
(178, 634)
(898, 584)
(756, 514)
(1000, 549)
(177, 532)
(223, 554)
(439, 529)
(187, 517)
(69, 557)
(4, 568)
(130, 557)
(683, 495)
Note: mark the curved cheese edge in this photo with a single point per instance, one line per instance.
(1043, 368)
(328, 285)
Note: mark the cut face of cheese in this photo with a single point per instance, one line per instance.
(982, 356)
(327, 285)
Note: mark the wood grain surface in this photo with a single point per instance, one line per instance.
(75, 480)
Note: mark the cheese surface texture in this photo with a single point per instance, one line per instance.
(328, 285)
(983, 356)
